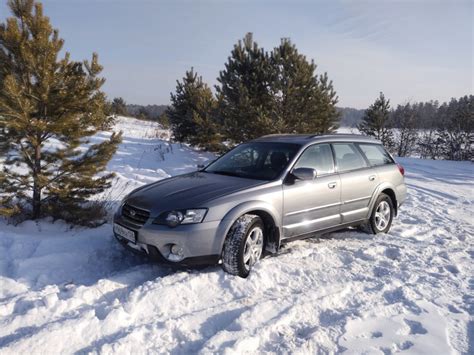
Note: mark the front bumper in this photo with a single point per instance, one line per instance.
(199, 242)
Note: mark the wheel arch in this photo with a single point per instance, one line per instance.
(391, 193)
(387, 189)
(269, 215)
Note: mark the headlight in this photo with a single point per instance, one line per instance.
(194, 216)
(174, 218)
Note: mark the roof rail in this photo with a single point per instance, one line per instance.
(273, 135)
(338, 134)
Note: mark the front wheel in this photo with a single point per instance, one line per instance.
(243, 246)
(382, 215)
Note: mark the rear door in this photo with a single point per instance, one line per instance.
(309, 206)
(358, 181)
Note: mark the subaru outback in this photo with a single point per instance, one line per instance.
(260, 195)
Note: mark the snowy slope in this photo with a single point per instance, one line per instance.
(66, 290)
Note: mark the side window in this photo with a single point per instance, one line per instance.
(375, 154)
(318, 157)
(348, 157)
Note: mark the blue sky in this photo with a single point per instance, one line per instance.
(411, 50)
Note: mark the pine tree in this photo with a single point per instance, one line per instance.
(119, 107)
(328, 116)
(142, 114)
(428, 143)
(404, 119)
(44, 98)
(305, 101)
(261, 93)
(375, 121)
(456, 128)
(246, 102)
(164, 120)
(192, 113)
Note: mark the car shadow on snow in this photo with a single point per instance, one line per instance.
(349, 233)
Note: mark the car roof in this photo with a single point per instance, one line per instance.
(305, 139)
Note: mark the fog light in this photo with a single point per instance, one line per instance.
(177, 250)
(176, 253)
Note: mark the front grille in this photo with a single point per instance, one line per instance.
(135, 215)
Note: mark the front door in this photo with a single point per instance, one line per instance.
(358, 182)
(310, 206)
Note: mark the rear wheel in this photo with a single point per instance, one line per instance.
(243, 246)
(382, 215)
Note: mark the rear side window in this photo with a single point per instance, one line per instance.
(348, 157)
(318, 157)
(376, 154)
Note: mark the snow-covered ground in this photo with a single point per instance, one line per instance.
(66, 290)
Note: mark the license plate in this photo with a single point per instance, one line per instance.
(125, 232)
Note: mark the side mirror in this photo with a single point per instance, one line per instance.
(200, 166)
(304, 173)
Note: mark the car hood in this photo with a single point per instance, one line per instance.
(186, 191)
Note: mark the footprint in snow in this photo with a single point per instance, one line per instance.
(392, 253)
(409, 220)
(453, 309)
(452, 269)
(415, 327)
(444, 255)
(405, 345)
(377, 334)
(398, 296)
(380, 271)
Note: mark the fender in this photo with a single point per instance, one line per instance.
(244, 208)
(378, 190)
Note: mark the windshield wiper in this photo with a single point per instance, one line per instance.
(223, 172)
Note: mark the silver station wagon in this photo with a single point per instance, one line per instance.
(260, 195)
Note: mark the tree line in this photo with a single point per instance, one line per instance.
(258, 93)
(425, 129)
(119, 107)
(350, 117)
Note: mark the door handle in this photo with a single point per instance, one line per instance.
(372, 177)
(332, 185)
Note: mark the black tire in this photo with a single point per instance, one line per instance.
(373, 225)
(235, 244)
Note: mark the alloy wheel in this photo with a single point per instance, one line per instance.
(382, 215)
(253, 247)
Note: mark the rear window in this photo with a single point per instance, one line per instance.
(376, 154)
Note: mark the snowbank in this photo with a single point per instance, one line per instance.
(66, 290)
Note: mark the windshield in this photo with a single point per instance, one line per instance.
(255, 160)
